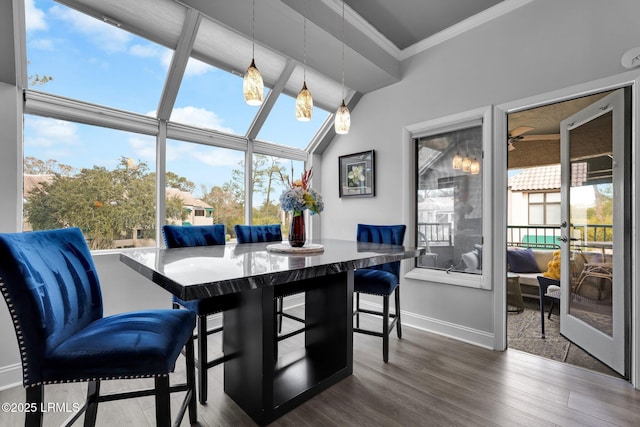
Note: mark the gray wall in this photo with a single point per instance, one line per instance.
(543, 46)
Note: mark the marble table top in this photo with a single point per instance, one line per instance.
(205, 271)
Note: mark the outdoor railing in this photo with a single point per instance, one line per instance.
(435, 233)
(548, 236)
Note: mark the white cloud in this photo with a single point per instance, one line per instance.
(144, 147)
(34, 17)
(219, 157)
(144, 51)
(209, 156)
(42, 44)
(196, 68)
(199, 117)
(48, 133)
(105, 36)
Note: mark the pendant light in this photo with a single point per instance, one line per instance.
(475, 166)
(456, 163)
(466, 164)
(343, 117)
(253, 86)
(304, 101)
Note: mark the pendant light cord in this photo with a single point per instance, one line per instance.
(253, 30)
(304, 47)
(343, 50)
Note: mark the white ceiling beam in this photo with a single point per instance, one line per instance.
(178, 65)
(270, 100)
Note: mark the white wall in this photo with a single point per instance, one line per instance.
(544, 46)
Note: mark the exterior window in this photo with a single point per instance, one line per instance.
(80, 57)
(268, 186)
(449, 200)
(89, 177)
(544, 208)
(207, 181)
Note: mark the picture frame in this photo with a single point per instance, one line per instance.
(357, 174)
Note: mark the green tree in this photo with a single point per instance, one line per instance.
(601, 213)
(107, 205)
(228, 206)
(36, 166)
(181, 183)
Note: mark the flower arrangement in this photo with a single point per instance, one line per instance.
(300, 196)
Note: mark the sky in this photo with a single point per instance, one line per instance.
(96, 62)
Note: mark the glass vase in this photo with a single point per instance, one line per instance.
(297, 233)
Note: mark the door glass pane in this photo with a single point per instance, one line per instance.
(591, 201)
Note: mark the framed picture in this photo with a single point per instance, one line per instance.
(357, 174)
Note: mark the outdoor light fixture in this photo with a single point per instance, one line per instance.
(342, 121)
(253, 86)
(304, 101)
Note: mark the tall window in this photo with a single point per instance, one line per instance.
(544, 208)
(449, 199)
(90, 77)
(268, 185)
(98, 179)
(207, 183)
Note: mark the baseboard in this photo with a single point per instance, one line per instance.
(450, 330)
(10, 376)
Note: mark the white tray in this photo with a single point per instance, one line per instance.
(286, 248)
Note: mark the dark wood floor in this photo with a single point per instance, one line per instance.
(429, 381)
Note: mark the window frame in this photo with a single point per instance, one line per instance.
(432, 127)
(545, 204)
(57, 107)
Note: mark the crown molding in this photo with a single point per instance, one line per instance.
(370, 31)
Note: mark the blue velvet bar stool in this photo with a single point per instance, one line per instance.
(177, 236)
(381, 280)
(51, 287)
(267, 233)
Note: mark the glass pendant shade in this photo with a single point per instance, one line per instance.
(466, 164)
(343, 120)
(253, 86)
(457, 161)
(304, 104)
(475, 166)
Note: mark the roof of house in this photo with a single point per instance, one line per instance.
(546, 177)
(32, 182)
(187, 198)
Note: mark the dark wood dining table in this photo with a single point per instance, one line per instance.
(263, 384)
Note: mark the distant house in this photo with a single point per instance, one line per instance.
(534, 203)
(199, 213)
(534, 196)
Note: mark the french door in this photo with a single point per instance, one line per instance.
(595, 236)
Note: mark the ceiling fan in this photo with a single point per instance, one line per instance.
(517, 135)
